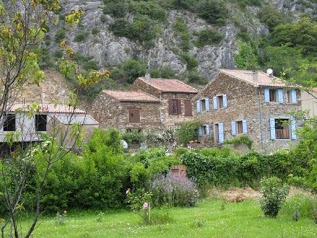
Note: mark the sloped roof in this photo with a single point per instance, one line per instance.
(81, 119)
(169, 85)
(46, 108)
(131, 96)
(256, 78)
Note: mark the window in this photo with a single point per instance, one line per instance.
(219, 133)
(40, 122)
(273, 95)
(9, 123)
(134, 115)
(202, 105)
(220, 101)
(239, 127)
(282, 128)
(188, 108)
(291, 96)
(204, 130)
(174, 106)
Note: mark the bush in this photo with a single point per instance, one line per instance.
(133, 137)
(60, 35)
(174, 191)
(188, 131)
(213, 11)
(116, 9)
(150, 9)
(81, 36)
(209, 37)
(191, 61)
(273, 196)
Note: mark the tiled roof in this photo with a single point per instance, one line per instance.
(256, 78)
(131, 96)
(169, 85)
(48, 108)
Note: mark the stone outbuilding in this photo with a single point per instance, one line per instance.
(253, 103)
(175, 97)
(127, 110)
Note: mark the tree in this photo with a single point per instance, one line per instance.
(21, 34)
(246, 59)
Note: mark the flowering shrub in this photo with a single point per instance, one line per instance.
(174, 190)
(140, 203)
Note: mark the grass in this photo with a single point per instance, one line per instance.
(211, 218)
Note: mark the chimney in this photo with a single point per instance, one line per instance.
(147, 76)
(255, 75)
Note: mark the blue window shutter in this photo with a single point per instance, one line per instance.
(225, 103)
(267, 95)
(221, 133)
(200, 131)
(233, 128)
(215, 103)
(293, 129)
(198, 105)
(272, 128)
(207, 130)
(280, 95)
(244, 127)
(207, 104)
(294, 96)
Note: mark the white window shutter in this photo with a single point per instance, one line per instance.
(244, 127)
(225, 103)
(200, 131)
(293, 128)
(198, 105)
(215, 102)
(221, 133)
(233, 128)
(267, 95)
(207, 130)
(280, 96)
(272, 128)
(294, 96)
(207, 105)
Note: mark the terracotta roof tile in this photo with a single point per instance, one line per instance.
(257, 78)
(48, 108)
(169, 85)
(131, 96)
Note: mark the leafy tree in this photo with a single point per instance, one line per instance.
(213, 11)
(246, 59)
(271, 17)
(133, 69)
(188, 131)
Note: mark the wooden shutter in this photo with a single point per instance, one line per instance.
(293, 129)
(293, 96)
(215, 102)
(207, 104)
(221, 133)
(179, 106)
(267, 95)
(233, 128)
(207, 130)
(134, 115)
(280, 96)
(188, 108)
(225, 103)
(198, 105)
(244, 127)
(170, 106)
(272, 128)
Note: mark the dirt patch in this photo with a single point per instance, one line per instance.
(235, 194)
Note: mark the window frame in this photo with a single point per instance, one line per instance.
(9, 122)
(131, 117)
(39, 124)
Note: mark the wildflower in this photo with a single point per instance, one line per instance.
(145, 205)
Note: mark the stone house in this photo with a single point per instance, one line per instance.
(175, 97)
(309, 102)
(127, 110)
(246, 102)
(49, 119)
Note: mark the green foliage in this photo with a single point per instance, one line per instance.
(116, 9)
(133, 136)
(81, 36)
(188, 131)
(213, 11)
(195, 78)
(60, 35)
(209, 37)
(273, 196)
(190, 61)
(241, 139)
(271, 17)
(133, 69)
(184, 4)
(246, 59)
(182, 32)
(151, 9)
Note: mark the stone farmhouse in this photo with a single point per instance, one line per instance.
(127, 110)
(246, 102)
(175, 97)
(47, 118)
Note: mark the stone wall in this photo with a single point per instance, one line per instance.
(245, 102)
(111, 113)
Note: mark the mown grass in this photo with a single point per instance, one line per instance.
(211, 218)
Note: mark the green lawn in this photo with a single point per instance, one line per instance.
(211, 218)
